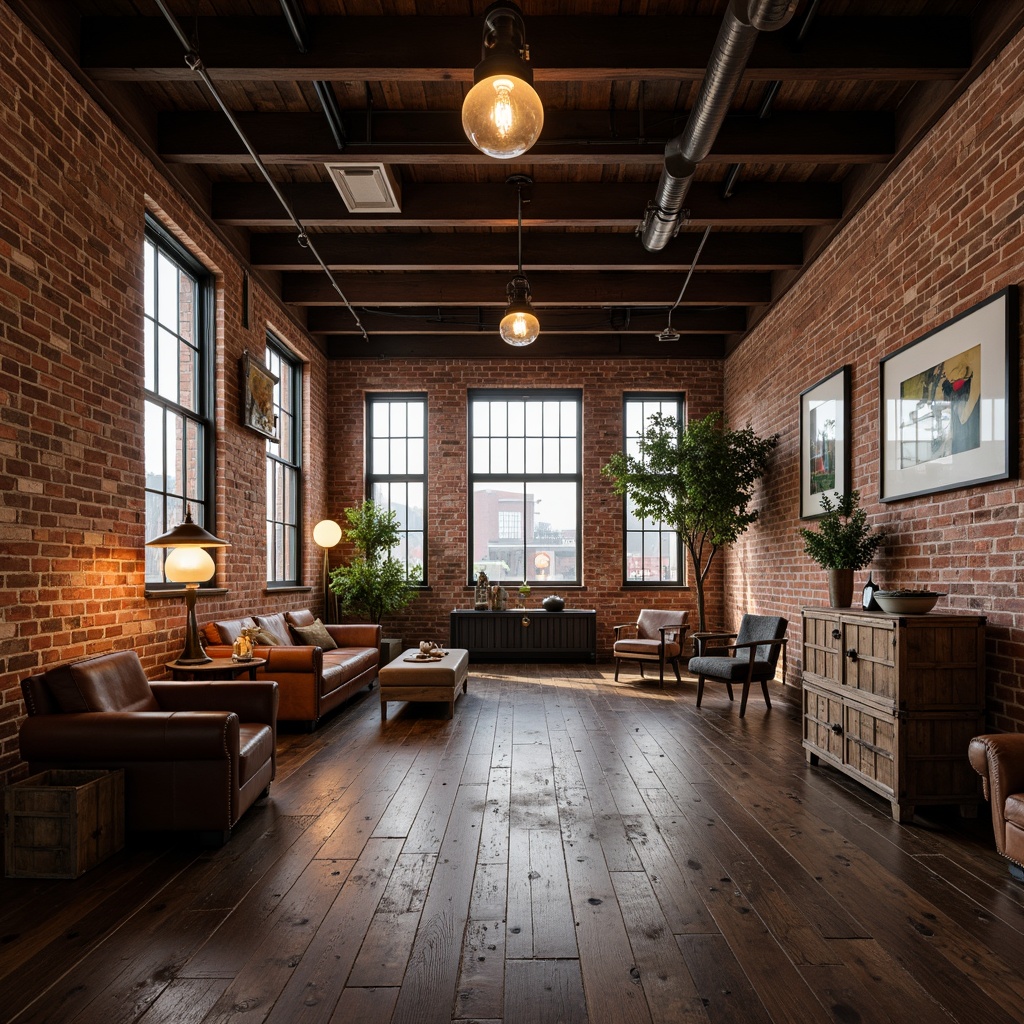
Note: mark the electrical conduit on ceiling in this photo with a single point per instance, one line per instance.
(742, 23)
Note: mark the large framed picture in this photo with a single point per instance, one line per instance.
(258, 398)
(949, 404)
(824, 441)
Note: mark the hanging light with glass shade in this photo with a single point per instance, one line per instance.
(519, 326)
(502, 115)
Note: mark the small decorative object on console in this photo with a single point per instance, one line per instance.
(553, 603)
(907, 602)
(480, 592)
(868, 601)
(241, 649)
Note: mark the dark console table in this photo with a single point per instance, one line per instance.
(530, 634)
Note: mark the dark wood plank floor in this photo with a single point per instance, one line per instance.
(566, 849)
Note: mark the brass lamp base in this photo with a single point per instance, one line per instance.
(193, 653)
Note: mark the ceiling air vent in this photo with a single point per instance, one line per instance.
(367, 188)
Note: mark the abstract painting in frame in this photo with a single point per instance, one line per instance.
(949, 403)
(824, 441)
(258, 398)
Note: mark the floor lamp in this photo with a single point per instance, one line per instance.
(327, 534)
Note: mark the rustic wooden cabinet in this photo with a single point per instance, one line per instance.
(530, 634)
(893, 701)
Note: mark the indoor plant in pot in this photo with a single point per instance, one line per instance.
(374, 583)
(842, 543)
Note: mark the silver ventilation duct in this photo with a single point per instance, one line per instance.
(742, 22)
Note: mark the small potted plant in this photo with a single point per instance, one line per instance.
(842, 543)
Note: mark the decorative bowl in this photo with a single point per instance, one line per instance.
(907, 602)
(553, 603)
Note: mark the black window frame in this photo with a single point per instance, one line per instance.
(474, 477)
(289, 464)
(373, 477)
(679, 398)
(202, 506)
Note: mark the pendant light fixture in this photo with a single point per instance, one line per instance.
(502, 115)
(519, 326)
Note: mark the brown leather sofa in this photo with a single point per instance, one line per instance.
(195, 756)
(999, 760)
(312, 680)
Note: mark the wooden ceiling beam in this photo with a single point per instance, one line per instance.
(550, 288)
(587, 136)
(549, 344)
(492, 204)
(563, 48)
(541, 252)
(478, 321)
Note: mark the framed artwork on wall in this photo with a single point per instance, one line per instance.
(824, 441)
(258, 397)
(949, 403)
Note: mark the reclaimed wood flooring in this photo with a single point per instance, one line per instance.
(566, 849)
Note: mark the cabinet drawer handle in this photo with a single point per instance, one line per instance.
(526, 621)
(836, 634)
(852, 654)
(836, 728)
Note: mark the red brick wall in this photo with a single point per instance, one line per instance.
(71, 367)
(941, 235)
(447, 383)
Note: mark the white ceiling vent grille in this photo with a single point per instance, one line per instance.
(367, 188)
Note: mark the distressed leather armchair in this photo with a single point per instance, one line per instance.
(195, 756)
(656, 636)
(999, 760)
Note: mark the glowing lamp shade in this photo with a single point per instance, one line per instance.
(189, 565)
(502, 116)
(326, 533)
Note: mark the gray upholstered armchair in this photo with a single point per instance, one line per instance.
(752, 657)
(656, 636)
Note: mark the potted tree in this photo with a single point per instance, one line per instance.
(698, 481)
(842, 543)
(374, 583)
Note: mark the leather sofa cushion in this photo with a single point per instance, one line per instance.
(110, 682)
(1014, 809)
(302, 617)
(227, 631)
(277, 626)
(255, 749)
(346, 663)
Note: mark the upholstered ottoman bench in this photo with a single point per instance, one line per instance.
(409, 677)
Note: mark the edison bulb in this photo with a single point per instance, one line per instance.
(519, 327)
(502, 116)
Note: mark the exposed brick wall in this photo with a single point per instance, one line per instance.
(447, 383)
(71, 368)
(942, 234)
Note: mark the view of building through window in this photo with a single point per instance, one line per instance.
(284, 467)
(525, 485)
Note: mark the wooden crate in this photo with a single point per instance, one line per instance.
(62, 822)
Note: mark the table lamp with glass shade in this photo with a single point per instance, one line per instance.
(327, 534)
(188, 562)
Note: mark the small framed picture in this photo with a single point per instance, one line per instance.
(258, 398)
(949, 403)
(824, 441)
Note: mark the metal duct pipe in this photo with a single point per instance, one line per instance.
(740, 27)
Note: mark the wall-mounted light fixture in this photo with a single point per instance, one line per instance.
(191, 564)
(502, 115)
(519, 326)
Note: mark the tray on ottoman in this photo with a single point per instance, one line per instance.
(437, 679)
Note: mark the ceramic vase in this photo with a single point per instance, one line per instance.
(840, 588)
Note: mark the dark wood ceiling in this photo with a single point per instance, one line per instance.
(851, 85)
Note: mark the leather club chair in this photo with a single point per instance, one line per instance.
(999, 760)
(656, 636)
(195, 756)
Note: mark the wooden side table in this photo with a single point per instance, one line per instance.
(217, 668)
